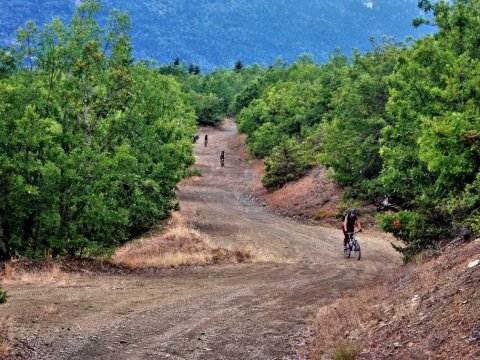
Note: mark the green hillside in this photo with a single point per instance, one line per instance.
(217, 32)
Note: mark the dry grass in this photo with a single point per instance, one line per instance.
(336, 325)
(324, 214)
(180, 245)
(395, 320)
(50, 274)
(6, 339)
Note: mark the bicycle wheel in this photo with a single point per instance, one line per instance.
(358, 253)
(347, 251)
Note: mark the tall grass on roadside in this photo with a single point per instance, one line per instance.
(48, 275)
(180, 245)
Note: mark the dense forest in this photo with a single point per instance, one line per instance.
(93, 142)
(215, 33)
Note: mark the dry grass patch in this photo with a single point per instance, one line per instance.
(180, 245)
(50, 273)
(395, 320)
(6, 339)
(325, 214)
(337, 325)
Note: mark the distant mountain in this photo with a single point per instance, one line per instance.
(215, 33)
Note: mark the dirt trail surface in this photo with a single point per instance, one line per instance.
(237, 311)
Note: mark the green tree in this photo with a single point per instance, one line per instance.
(238, 66)
(351, 139)
(287, 162)
(91, 144)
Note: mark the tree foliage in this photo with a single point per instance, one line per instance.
(400, 121)
(287, 162)
(92, 145)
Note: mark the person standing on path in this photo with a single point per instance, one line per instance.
(206, 139)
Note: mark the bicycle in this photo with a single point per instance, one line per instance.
(352, 245)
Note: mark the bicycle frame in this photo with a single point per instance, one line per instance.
(352, 245)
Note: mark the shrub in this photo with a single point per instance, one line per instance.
(192, 172)
(3, 296)
(288, 162)
(473, 222)
(416, 229)
(345, 352)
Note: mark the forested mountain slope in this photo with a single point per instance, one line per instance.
(217, 32)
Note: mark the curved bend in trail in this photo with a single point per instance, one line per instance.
(237, 311)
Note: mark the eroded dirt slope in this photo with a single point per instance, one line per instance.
(238, 311)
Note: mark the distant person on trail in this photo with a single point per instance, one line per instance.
(350, 222)
(222, 158)
(206, 139)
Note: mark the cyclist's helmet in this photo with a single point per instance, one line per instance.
(353, 211)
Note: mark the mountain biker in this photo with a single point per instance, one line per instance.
(350, 222)
(206, 139)
(222, 158)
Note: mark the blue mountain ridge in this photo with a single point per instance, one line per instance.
(213, 33)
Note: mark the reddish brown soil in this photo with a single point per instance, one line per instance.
(312, 198)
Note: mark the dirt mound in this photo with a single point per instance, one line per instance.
(312, 197)
(425, 312)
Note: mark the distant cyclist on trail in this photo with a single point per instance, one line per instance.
(206, 139)
(222, 158)
(350, 222)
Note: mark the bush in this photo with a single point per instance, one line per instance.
(288, 162)
(208, 107)
(416, 229)
(473, 222)
(192, 172)
(345, 352)
(3, 296)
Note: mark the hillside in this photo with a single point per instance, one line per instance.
(425, 312)
(216, 33)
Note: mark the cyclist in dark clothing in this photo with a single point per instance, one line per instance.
(222, 158)
(206, 140)
(350, 222)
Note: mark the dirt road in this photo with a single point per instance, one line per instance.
(238, 311)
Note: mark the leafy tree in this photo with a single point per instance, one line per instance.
(91, 144)
(238, 66)
(287, 162)
(194, 69)
(351, 139)
(431, 150)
